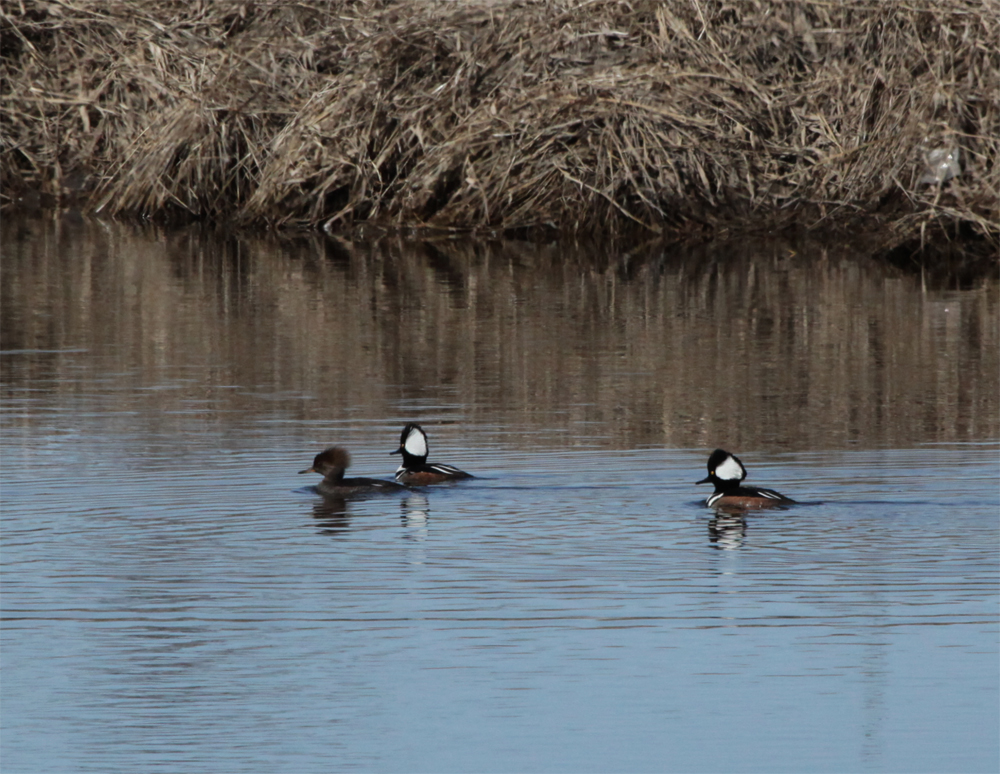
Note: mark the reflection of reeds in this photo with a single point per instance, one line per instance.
(597, 116)
(760, 349)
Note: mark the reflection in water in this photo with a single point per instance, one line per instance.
(170, 577)
(753, 349)
(332, 512)
(873, 718)
(727, 531)
(416, 507)
(331, 515)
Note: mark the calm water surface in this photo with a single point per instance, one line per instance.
(175, 598)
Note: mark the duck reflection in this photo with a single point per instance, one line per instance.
(331, 515)
(415, 508)
(727, 530)
(415, 513)
(332, 512)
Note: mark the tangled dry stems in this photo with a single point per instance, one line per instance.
(589, 116)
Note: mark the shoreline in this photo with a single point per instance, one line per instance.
(674, 120)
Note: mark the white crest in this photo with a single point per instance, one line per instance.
(730, 470)
(416, 443)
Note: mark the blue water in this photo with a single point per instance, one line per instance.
(174, 598)
(197, 609)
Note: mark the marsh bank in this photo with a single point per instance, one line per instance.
(604, 117)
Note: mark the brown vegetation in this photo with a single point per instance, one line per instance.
(594, 116)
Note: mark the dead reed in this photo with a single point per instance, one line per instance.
(593, 116)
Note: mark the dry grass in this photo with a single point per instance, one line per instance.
(590, 116)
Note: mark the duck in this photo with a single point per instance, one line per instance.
(331, 464)
(727, 472)
(415, 470)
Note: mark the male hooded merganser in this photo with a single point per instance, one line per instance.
(332, 463)
(726, 471)
(415, 471)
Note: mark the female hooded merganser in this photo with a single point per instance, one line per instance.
(332, 463)
(415, 471)
(726, 471)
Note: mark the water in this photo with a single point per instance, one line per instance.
(176, 599)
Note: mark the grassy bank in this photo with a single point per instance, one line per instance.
(584, 116)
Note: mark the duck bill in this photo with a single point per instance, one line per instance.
(705, 480)
(307, 470)
(398, 451)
